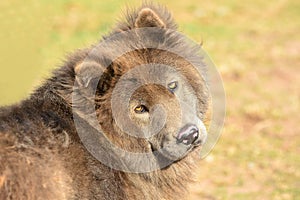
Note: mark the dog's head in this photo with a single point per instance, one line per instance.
(149, 99)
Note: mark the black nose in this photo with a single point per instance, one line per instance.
(188, 134)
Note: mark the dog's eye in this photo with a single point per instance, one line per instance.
(173, 85)
(140, 109)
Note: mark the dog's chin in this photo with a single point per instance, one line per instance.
(168, 156)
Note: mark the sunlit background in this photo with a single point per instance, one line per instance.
(255, 44)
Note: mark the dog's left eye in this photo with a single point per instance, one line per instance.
(173, 85)
(141, 109)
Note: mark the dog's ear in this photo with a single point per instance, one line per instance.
(92, 76)
(86, 73)
(148, 18)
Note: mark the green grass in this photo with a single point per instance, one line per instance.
(255, 45)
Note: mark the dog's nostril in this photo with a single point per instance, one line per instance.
(188, 134)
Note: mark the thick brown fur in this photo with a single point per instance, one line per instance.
(41, 155)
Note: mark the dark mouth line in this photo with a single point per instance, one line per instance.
(192, 147)
(152, 147)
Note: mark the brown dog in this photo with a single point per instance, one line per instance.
(42, 155)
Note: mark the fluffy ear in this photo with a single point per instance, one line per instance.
(90, 76)
(86, 72)
(148, 18)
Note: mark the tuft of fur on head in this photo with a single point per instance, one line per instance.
(155, 12)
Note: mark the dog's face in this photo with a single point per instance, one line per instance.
(167, 112)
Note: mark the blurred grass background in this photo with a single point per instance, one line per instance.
(255, 44)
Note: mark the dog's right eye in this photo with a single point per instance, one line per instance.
(172, 86)
(140, 109)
